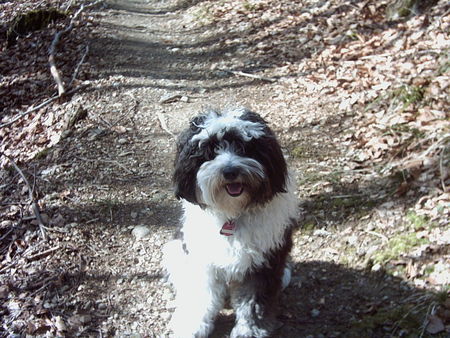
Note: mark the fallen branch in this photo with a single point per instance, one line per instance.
(129, 171)
(77, 68)
(7, 266)
(33, 202)
(43, 254)
(51, 51)
(43, 104)
(441, 168)
(252, 76)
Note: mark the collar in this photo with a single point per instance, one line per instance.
(228, 228)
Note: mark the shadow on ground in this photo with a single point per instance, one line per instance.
(184, 54)
(331, 300)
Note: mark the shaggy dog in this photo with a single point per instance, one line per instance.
(239, 209)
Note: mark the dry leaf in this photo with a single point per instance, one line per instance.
(435, 325)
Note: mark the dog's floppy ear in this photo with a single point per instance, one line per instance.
(187, 162)
(267, 151)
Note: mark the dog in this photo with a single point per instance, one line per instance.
(239, 210)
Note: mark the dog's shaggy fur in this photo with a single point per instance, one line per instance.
(239, 207)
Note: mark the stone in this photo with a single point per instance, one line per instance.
(140, 231)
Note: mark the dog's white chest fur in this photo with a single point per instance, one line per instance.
(255, 235)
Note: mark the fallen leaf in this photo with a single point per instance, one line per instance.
(435, 325)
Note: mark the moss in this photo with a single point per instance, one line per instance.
(408, 95)
(399, 9)
(346, 202)
(418, 222)
(348, 258)
(299, 152)
(203, 15)
(428, 270)
(400, 318)
(397, 245)
(308, 227)
(402, 97)
(444, 64)
(42, 154)
(404, 128)
(252, 6)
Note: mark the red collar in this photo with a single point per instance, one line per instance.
(228, 228)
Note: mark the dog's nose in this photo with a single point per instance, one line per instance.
(230, 173)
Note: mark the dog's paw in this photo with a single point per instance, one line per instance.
(183, 325)
(245, 330)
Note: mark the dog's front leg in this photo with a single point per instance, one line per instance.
(255, 303)
(197, 304)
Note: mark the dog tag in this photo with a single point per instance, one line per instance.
(228, 228)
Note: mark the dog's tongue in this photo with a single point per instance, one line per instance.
(234, 189)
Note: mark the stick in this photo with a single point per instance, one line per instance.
(33, 202)
(107, 161)
(441, 168)
(51, 51)
(55, 73)
(252, 76)
(42, 254)
(43, 104)
(77, 68)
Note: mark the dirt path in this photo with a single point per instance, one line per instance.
(109, 179)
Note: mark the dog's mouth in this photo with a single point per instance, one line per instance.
(234, 189)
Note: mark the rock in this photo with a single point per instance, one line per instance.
(315, 313)
(376, 267)
(435, 325)
(321, 233)
(140, 231)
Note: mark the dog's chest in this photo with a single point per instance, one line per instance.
(246, 247)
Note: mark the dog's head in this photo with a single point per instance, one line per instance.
(229, 161)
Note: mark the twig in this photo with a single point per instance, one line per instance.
(383, 237)
(77, 68)
(163, 124)
(67, 5)
(346, 196)
(33, 202)
(7, 233)
(426, 321)
(441, 168)
(42, 254)
(7, 266)
(107, 161)
(51, 51)
(43, 104)
(252, 76)
(422, 156)
(29, 110)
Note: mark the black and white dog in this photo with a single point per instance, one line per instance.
(239, 208)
